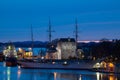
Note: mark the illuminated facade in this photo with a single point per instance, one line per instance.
(80, 54)
(25, 54)
(66, 48)
(28, 54)
(63, 48)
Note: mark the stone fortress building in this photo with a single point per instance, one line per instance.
(63, 48)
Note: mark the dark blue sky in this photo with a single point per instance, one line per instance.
(97, 19)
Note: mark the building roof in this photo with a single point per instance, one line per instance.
(66, 40)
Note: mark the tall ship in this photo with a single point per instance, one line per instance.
(61, 53)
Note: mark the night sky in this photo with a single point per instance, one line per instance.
(97, 19)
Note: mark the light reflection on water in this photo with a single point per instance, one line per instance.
(15, 73)
(8, 73)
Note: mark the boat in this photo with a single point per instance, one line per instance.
(10, 55)
(56, 64)
(60, 54)
(10, 61)
(2, 57)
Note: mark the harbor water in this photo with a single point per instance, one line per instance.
(17, 73)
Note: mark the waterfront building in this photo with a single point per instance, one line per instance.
(107, 66)
(22, 53)
(80, 54)
(66, 48)
(63, 48)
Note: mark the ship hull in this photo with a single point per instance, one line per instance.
(36, 65)
(11, 61)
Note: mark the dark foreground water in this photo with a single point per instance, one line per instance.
(16, 73)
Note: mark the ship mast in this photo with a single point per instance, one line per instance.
(50, 31)
(76, 34)
(76, 31)
(32, 45)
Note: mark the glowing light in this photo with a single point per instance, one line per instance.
(111, 65)
(97, 65)
(42, 57)
(103, 64)
(19, 67)
(28, 54)
(83, 56)
(65, 62)
(98, 75)
(9, 47)
(53, 62)
(19, 49)
(30, 49)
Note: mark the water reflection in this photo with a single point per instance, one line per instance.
(101, 76)
(66, 76)
(55, 75)
(23, 74)
(112, 77)
(80, 78)
(19, 73)
(15, 73)
(8, 73)
(98, 75)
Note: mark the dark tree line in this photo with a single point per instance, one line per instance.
(106, 49)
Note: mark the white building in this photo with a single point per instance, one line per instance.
(66, 48)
